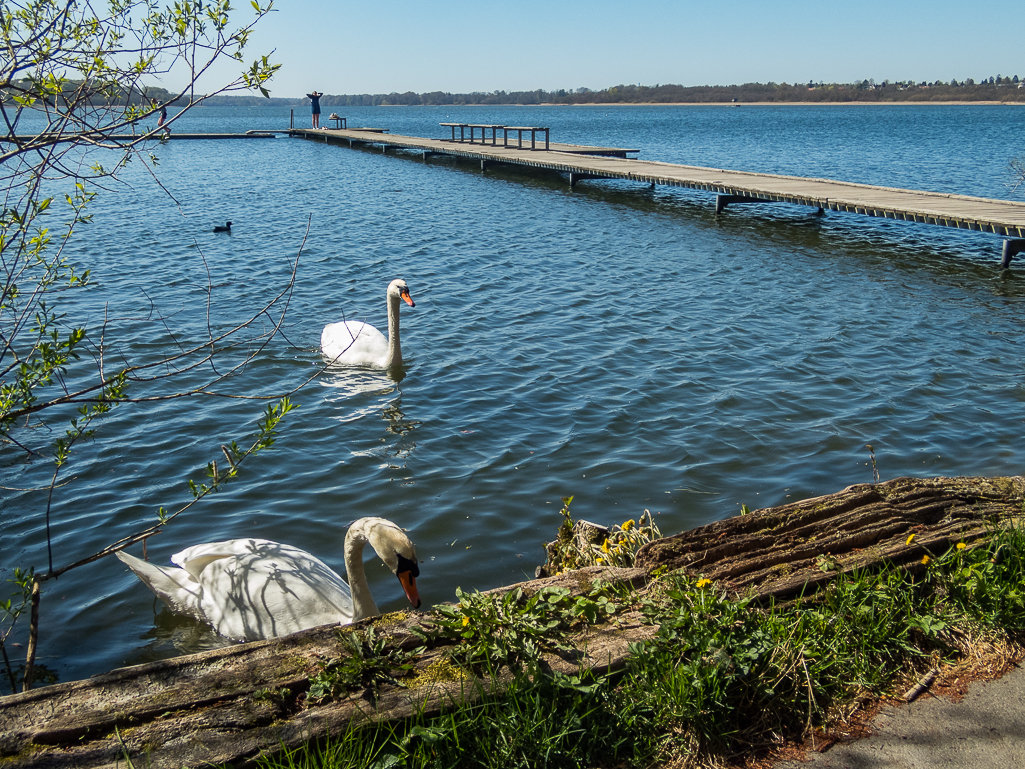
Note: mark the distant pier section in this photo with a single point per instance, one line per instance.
(259, 133)
(490, 144)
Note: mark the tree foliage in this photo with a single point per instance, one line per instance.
(75, 81)
(1004, 89)
(1016, 166)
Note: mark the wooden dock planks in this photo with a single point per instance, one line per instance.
(1001, 217)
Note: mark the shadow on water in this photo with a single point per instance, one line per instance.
(173, 634)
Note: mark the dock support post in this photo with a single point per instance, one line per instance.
(722, 200)
(575, 176)
(483, 165)
(1010, 249)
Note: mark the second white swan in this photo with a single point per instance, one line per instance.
(251, 589)
(355, 343)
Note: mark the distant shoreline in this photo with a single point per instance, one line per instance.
(775, 104)
(711, 104)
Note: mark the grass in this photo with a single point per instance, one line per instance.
(721, 679)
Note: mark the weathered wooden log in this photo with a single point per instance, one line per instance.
(208, 708)
(782, 551)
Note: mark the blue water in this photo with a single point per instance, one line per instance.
(612, 342)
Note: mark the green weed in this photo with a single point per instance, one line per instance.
(368, 663)
(515, 628)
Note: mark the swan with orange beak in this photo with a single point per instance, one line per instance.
(252, 589)
(355, 343)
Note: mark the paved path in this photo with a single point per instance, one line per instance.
(986, 730)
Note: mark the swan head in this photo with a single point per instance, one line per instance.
(398, 289)
(394, 548)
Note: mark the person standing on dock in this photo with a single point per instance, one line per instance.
(163, 115)
(163, 119)
(315, 98)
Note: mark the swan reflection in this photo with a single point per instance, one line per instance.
(369, 392)
(396, 418)
(397, 424)
(346, 383)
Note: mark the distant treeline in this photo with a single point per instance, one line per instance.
(71, 93)
(997, 88)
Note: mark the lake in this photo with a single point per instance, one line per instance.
(615, 343)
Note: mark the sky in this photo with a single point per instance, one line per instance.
(342, 47)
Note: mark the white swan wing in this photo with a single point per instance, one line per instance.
(354, 343)
(196, 558)
(268, 590)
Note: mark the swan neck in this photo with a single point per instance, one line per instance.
(394, 345)
(362, 601)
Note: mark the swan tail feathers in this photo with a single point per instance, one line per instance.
(175, 587)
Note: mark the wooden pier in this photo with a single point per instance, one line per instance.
(152, 136)
(999, 217)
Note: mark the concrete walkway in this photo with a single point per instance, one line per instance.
(985, 730)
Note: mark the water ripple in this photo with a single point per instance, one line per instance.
(618, 344)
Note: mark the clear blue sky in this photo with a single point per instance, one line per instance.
(336, 46)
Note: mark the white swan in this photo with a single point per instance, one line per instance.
(251, 589)
(355, 343)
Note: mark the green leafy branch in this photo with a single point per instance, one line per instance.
(266, 434)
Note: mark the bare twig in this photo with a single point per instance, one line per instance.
(922, 686)
(872, 456)
(33, 636)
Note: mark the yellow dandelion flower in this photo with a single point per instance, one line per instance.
(961, 545)
(704, 583)
(598, 560)
(605, 546)
(925, 560)
(466, 620)
(627, 525)
(910, 539)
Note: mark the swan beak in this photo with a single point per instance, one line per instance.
(409, 586)
(404, 293)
